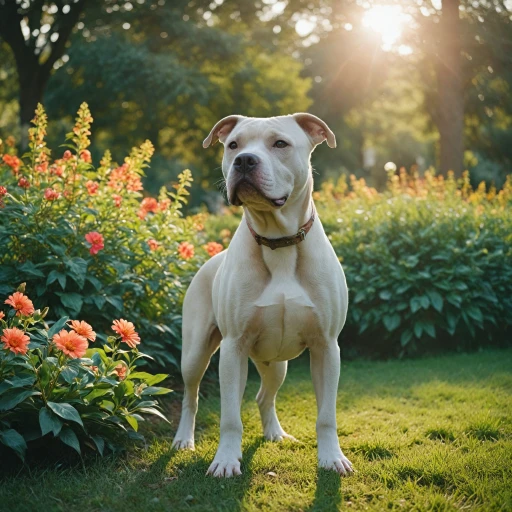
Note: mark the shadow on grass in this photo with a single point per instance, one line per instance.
(327, 493)
(189, 488)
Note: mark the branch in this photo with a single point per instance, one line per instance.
(10, 31)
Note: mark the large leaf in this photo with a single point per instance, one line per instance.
(391, 322)
(67, 436)
(72, 301)
(154, 390)
(148, 378)
(57, 326)
(436, 299)
(49, 422)
(77, 270)
(13, 397)
(66, 411)
(15, 441)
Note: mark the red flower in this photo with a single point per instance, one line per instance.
(3, 191)
(121, 370)
(57, 170)
(117, 200)
(42, 167)
(13, 162)
(85, 155)
(23, 183)
(21, 303)
(92, 187)
(148, 204)
(71, 343)
(51, 195)
(15, 340)
(67, 155)
(127, 332)
(213, 248)
(153, 244)
(96, 241)
(186, 250)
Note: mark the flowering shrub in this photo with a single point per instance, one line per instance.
(89, 243)
(54, 384)
(428, 262)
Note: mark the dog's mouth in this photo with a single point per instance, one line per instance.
(245, 190)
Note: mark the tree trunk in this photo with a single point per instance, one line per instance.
(450, 101)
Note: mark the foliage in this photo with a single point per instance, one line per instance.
(85, 242)
(429, 259)
(51, 383)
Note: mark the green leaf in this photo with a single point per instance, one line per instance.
(66, 411)
(406, 337)
(98, 392)
(13, 397)
(133, 422)
(67, 436)
(148, 378)
(29, 268)
(151, 410)
(430, 329)
(49, 422)
(57, 326)
(15, 441)
(153, 390)
(69, 374)
(391, 322)
(436, 299)
(425, 302)
(415, 304)
(100, 443)
(475, 313)
(54, 275)
(385, 295)
(418, 329)
(77, 270)
(72, 301)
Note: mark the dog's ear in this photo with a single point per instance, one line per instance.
(221, 130)
(316, 129)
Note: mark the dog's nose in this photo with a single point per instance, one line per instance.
(245, 162)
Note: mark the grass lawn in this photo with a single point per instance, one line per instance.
(424, 435)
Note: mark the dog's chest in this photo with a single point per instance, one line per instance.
(282, 316)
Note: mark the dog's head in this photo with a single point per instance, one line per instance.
(266, 160)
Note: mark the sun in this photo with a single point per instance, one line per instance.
(386, 20)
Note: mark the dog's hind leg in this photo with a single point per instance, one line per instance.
(272, 377)
(201, 338)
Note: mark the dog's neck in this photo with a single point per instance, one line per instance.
(287, 220)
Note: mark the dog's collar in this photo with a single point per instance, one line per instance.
(285, 241)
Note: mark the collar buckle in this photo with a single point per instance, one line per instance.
(302, 234)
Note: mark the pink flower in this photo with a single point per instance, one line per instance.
(117, 200)
(92, 187)
(186, 250)
(127, 332)
(83, 329)
(67, 155)
(21, 303)
(96, 241)
(71, 343)
(23, 183)
(121, 370)
(85, 155)
(15, 340)
(51, 195)
(153, 244)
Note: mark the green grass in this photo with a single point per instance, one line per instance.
(424, 435)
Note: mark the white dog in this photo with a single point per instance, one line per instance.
(278, 289)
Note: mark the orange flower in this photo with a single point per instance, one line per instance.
(83, 329)
(71, 343)
(67, 155)
(15, 340)
(2, 315)
(149, 204)
(92, 187)
(186, 250)
(42, 167)
(121, 370)
(23, 183)
(153, 244)
(96, 241)
(21, 303)
(127, 332)
(121, 176)
(51, 195)
(213, 248)
(85, 155)
(3, 191)
(94, 369)
(13, 162)
(57, 170)
(164, 204)
(117, 200)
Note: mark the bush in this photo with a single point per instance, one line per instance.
(53, 386)
(88, 243)
(428, 262)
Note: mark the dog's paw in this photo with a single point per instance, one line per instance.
(183, 444)
(338, 463)
(224, 468)
(278, 435)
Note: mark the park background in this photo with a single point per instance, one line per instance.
(109, 206)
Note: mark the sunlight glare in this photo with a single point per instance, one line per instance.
(386, 20)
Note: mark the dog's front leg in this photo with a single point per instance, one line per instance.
(233, 377)
(325, 371)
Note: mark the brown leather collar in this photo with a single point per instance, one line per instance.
(285, 241)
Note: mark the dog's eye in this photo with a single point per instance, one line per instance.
(281, 144)
(233, 145)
